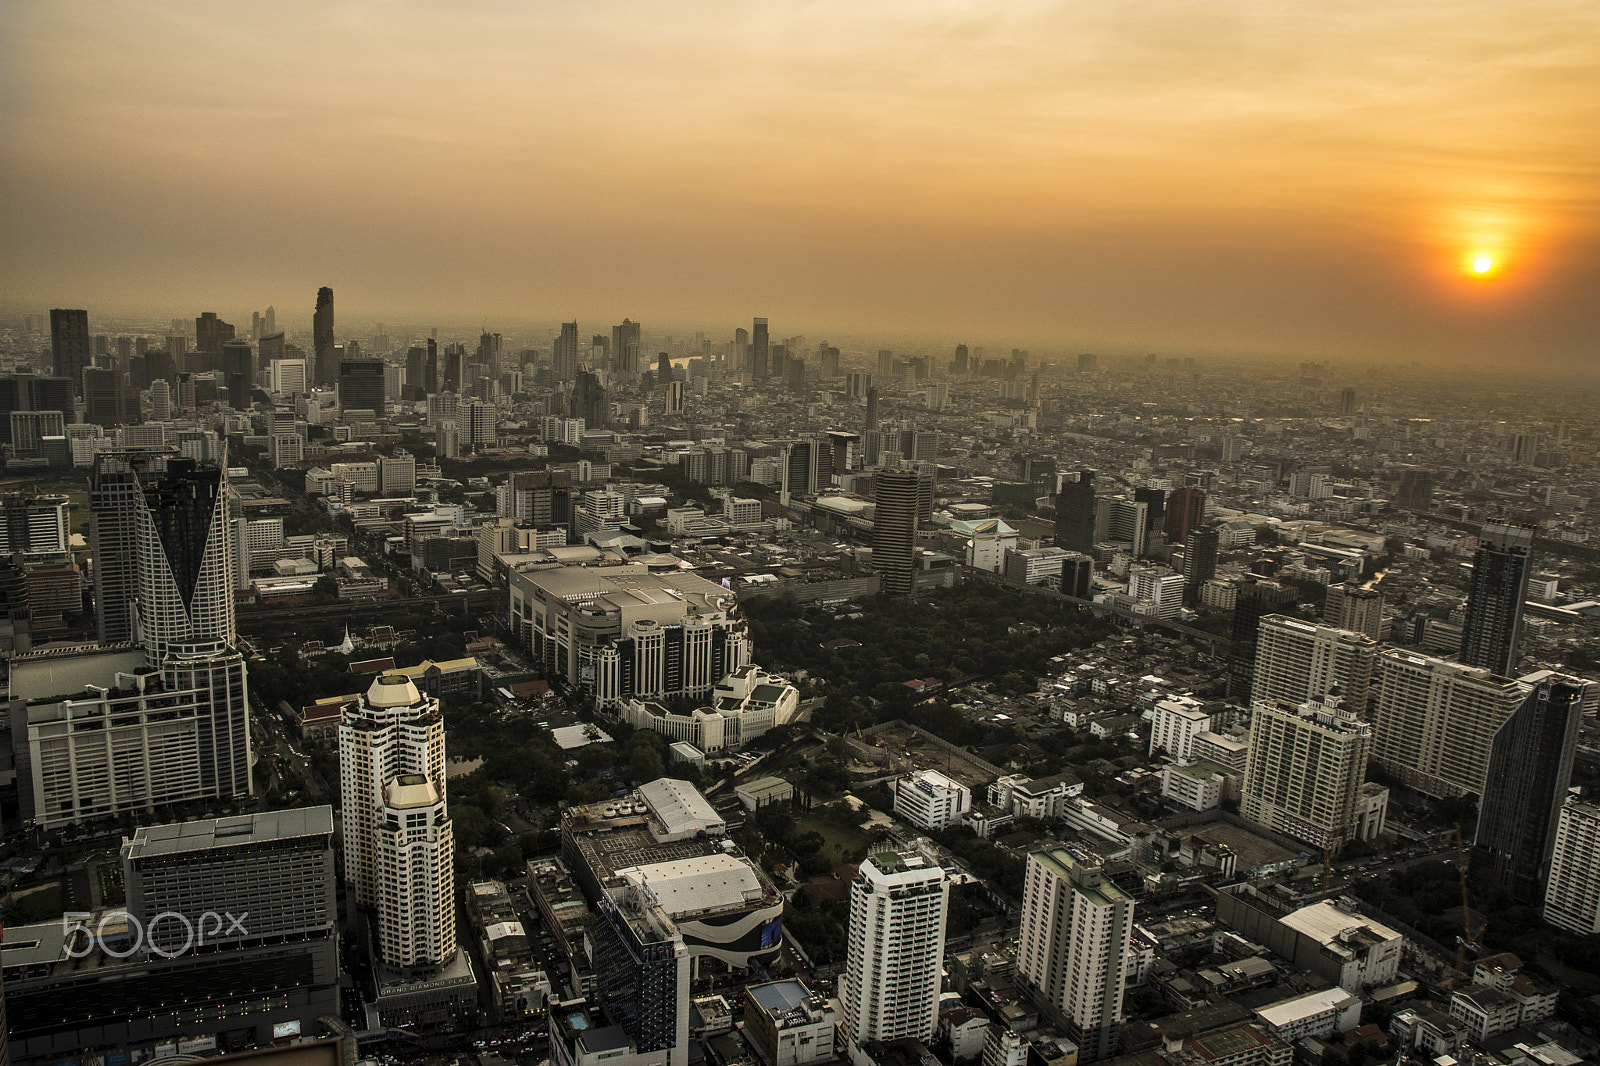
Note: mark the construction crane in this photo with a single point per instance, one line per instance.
(1469, 936)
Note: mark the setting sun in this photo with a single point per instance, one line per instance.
(1482, 264)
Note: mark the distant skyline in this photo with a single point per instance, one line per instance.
(1404, 180)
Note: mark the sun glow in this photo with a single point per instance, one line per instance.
(1482, 265)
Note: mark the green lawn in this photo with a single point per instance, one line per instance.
(38, 904)
(1035, 530)
(842, 842)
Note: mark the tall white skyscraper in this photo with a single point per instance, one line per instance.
(1305, 767)
(1073, 951)
(1434, 721)
(1298, 661)
(890, 987)
(1572, 893)
(398, 842)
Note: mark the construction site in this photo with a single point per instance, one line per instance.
(901, 748)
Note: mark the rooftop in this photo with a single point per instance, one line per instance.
(180, 837)
(700, 883)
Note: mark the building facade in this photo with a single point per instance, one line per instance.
(1530, 768)
(1074, 948)
(890, 987)
(398, 840)
(1304, 770)
(1434, 721)
(1501, 568)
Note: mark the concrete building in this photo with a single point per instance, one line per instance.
(1332, 939)
(1305, 767)
(931, 801)
(236, 941)
(744, 705)
(1572, 894)
(276, 867)
(667, 846)
(625, 632)
(1356, 608)
(1074, 947)
(787, 1024)
(398, 841)
(889, 989)
(1054, 567)
(1434, 721)
(1298, 661)
(1174, 723)
(1197, 785)
(1323, 1013)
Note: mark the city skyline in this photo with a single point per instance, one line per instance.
(1232, 178)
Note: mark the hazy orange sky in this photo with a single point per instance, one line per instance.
(1252, 175)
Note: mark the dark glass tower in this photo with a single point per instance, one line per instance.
(1530, 769)
(69, 343)
(322, 337)
(1500, 572)
(361, 385)
(1075, 513)
(1256, 599)
(760, 350)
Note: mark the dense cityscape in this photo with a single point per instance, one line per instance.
(623, 696)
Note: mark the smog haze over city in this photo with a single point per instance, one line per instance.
(1399, 181)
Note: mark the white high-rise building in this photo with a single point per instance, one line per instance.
(1298, 661)
(1074, 951)
(1304, 770)
(398, 842)
(1435, 720)
(1174, 723)
(890, 987)
(1572, 893)
(288, 377)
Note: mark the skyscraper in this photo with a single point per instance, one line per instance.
(1304, 768)
(105, 399)
(1572, 896)
(398, 842)
(69, 343)
(1186, 510)
(1199, 560)
(1416, 490)
(590, 402)
(210, 334)
(163, 578)
(1074, 947)
(760, 351)
(897, 496)
(625, 348)
(564, 361)
(1298, 661)
(1256, 599)
(1500, 571)
(1530, 768)
(1075, 514)
(361, 386)
(490, 350)
(1434, 721)
(326, 370)
(158, 528)
(890, 986)
(872, 409)
(1354, 607)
